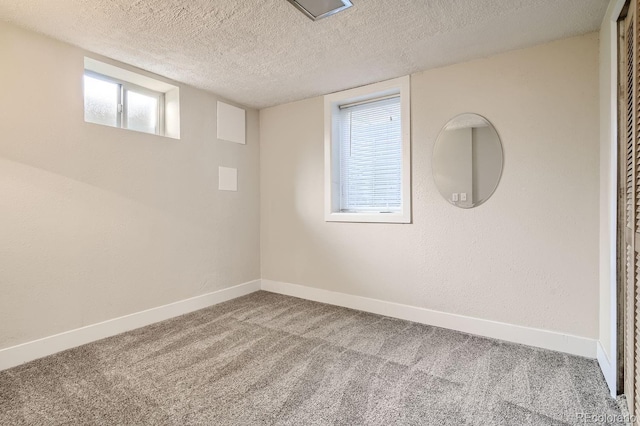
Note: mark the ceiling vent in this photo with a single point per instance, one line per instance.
(318, 9)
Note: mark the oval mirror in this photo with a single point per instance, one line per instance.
(467, 160)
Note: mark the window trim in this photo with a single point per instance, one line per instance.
(332, 103)
(142, 82)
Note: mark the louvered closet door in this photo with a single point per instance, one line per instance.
(629, 144)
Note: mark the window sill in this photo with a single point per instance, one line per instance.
(368, 217)
(132, 130)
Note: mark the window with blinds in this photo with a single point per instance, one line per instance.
(371, 156)
(367, 153)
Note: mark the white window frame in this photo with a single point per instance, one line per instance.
(124, 88)
(168, 124)
(332, 102)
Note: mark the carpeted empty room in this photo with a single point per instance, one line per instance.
(272, 359)
(303, 212)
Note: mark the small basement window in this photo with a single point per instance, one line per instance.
(367, 154)
(117, 97)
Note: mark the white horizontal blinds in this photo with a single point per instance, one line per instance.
(371, 156)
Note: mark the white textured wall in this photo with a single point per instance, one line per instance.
(528, 256)
(98, 222)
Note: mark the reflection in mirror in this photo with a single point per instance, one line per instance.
(467, 160)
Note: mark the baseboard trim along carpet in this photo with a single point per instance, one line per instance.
(608, 369)
(19, 354)
(271, 359)
(552, 340)
(575, 345)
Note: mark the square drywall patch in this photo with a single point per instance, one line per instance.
(227, 179)
(231, 123)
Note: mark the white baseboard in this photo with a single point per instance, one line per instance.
(19, 354)
(567, 343)
(608, 369)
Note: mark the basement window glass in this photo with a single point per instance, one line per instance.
(120, 98)
(367, 154)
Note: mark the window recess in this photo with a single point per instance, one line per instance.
(367, 154)
(120, 98)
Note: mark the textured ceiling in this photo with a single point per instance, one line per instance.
(265, 52)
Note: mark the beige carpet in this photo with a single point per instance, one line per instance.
(269, 359)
